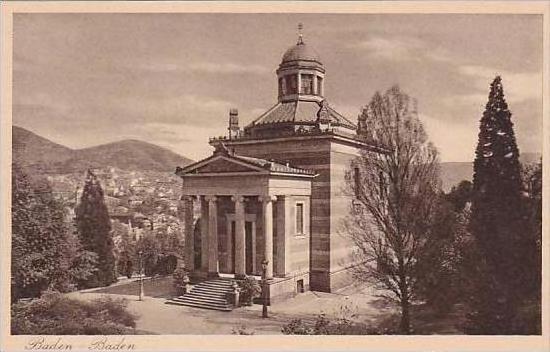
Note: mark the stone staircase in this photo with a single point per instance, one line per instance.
(211, 294)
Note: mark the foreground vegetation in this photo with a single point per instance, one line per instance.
(56, 314)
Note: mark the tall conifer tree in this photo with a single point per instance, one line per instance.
(497, 221)
(94, 227)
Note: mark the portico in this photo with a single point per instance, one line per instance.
(249, 208)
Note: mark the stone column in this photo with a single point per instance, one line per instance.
(267, 207)
(240, 249)
(213, 263)
(281, 234)
(204, 235)
(189, 233)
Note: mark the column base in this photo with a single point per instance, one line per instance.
(197, 275)
(213, 275)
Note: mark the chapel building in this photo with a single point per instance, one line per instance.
(274, 190)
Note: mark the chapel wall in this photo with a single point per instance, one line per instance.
(312, 154)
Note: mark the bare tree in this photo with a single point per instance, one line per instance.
(395, 198)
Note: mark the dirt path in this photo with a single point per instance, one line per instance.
(157, 317)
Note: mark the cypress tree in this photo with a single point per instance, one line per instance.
(94, 228)
(497, 222)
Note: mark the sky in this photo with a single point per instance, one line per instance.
(170, 79)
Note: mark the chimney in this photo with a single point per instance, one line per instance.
(233, 123)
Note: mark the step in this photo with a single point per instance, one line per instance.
(209, 290)
(213, 288)
(198, 299)
(206, 298)
(202, 300)
(225, 308)
(210, 284)
(207, 295)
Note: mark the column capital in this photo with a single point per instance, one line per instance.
(266, 199)
(210, 198)
(237, 198)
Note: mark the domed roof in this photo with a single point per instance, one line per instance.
(301, 52)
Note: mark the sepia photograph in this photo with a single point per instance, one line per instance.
(275, 171)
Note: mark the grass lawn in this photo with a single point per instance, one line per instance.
(158, 287)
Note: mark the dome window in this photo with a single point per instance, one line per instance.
(291, 84)
(282, 87)
(307, 84)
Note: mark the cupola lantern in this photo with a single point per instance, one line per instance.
(301, 73)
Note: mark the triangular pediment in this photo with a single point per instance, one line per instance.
(222, 165)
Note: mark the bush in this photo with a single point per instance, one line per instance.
(241, 330)
(250, 289)
(129, 269)
(56, 314)
(179, 276)
(297, 327)
(339, 326)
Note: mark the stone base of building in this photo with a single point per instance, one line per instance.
(324, 281)
(341, 278)
(279, 288)
(282, 288)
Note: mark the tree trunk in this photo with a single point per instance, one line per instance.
(405, 324)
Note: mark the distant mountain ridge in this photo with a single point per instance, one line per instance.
(40, 154)
(454, 172)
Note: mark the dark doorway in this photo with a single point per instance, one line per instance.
(197, 244)
(249, 243)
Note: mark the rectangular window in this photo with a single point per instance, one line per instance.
(307, 84)
(291, 84)
(282, 86)
(299, 218)
(357, 181)
(319, 86)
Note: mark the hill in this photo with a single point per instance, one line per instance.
(40, 154)
(454, 172)
(31, 150)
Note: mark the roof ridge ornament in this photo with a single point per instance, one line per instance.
(300, 35)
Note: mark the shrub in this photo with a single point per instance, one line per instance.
(339, 326)
(179, 276)
(297, 327)
(250, 289)
(129, 269)
(241, 330)
(56, 314)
